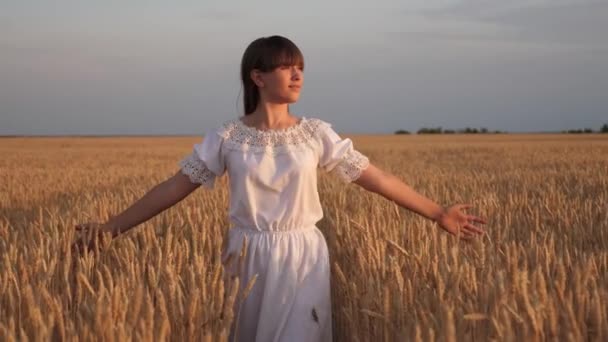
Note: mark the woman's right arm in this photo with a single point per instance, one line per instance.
(160, 197)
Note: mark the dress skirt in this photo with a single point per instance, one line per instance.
(291, 297)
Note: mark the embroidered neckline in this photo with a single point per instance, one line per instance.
(285, 130)
(237, 135)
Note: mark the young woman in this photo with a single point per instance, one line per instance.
(272, 156)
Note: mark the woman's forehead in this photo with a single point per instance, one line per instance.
(286, 58)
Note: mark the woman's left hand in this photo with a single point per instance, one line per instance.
(93, 237)
(456, 222)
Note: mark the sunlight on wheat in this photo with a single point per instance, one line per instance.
(541, 273)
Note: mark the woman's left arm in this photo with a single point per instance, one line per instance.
(451, 219)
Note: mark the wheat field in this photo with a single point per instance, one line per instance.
(540, 273)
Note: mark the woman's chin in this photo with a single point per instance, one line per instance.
(288, 99)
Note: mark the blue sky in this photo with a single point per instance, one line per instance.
(151, 67)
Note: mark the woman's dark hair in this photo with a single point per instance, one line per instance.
(265, 54)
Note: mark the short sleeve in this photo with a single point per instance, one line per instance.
(339, 155)
(206, 162)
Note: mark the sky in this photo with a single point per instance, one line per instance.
(172, 68)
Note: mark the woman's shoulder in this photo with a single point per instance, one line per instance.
(317, 122)
(312, 125)
(318, 127)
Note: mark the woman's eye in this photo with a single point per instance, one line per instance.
(287, 67)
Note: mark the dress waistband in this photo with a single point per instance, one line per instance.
(254, 230)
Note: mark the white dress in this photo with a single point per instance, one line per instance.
(274, 203)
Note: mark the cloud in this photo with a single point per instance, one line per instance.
(579, 23)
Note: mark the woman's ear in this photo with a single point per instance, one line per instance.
(256, 77)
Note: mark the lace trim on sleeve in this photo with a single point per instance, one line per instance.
(193, 167)
(352, 165)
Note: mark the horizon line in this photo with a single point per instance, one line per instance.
(200, 135)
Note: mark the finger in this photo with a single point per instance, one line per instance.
(466, 236)
(91, 233)
(461, 232)
(95, 244)
(476, 219)
(90, 247)
(91, 241)
(474, 229)
(77, 248)
(471, 233)
(80, 243)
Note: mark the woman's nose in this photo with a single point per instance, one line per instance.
(296, 72)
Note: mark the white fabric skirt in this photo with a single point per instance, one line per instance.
(291, 297)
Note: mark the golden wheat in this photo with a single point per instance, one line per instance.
(541, 273)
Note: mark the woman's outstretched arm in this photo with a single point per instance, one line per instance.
(162, 196)
(451, 219)
(156, 200)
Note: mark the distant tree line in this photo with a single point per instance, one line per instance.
(439, 130)
(603, 129)
(483, 130)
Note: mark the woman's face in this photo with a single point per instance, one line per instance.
(282, 85)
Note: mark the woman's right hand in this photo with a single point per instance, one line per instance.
(457, 222)
(92, 236)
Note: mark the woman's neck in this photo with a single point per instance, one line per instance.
(270, 116)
